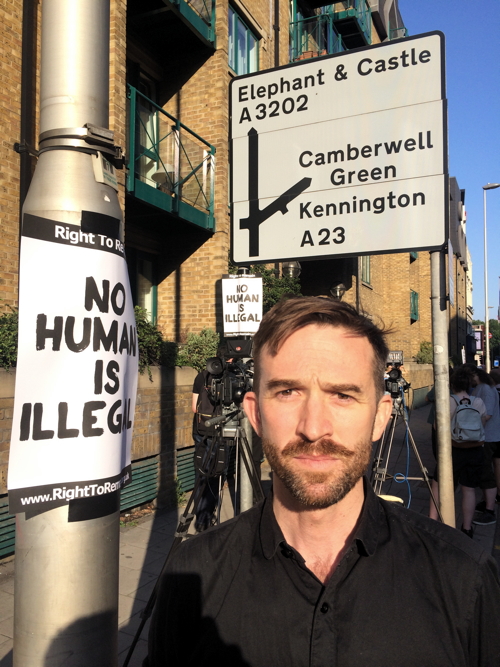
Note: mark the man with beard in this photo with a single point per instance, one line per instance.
(323, 572)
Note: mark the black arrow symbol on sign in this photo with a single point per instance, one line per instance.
(257, 216)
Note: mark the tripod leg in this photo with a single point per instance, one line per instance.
(424, 472)
(381, 472)
(250, 467)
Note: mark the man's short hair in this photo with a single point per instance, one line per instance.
(290, 315)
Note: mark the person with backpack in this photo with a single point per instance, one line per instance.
(484, 388)
(495, 376)
(467, 415)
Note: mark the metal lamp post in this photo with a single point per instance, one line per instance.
(66, 579)
(489, 186)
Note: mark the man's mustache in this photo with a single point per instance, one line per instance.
(323, 447)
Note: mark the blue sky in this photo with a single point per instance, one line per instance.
(472, 31)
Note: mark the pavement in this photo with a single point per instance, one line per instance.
(145, 545)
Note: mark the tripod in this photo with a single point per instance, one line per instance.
(383, 455)
(211, 462)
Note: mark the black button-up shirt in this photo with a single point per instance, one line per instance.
(408, 592)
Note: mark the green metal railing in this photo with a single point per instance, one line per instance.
(204, 8)
(200, 14)
(169, 158)
(358, 9)
(314, 36)
(7, 528)
(144, 485)
(397, 33)
(413, 305)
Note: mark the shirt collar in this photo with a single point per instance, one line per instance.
(270, 533)
(369, 532)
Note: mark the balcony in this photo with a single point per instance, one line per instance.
(351, 18)
(314, 36)
(151, 18)
(179, 35)
(353, 22)
(170, 167)
(397, 33)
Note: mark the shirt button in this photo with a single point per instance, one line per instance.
(324, 608)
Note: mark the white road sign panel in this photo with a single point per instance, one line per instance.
(341, 155)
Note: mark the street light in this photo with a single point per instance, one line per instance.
(291, 269)
(337, 290)
(489, 186)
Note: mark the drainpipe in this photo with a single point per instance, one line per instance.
(25, 148)
(276, 28)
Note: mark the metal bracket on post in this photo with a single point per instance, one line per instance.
(89, 138)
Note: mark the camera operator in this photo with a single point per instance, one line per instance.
(204, 407)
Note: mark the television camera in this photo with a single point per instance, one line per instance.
(230, 381)
(395, 382)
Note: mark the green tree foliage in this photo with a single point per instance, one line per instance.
(274, 288)
(8, 339)
(495, 339)
(425, 355)
(197, 349)
(149, 340)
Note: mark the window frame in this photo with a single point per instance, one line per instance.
(134, 257)
(234, 21)
(366, 269)
(414, 314)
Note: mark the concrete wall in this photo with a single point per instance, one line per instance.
(7, 384)
(421, 377)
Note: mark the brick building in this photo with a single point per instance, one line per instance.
(171, 62)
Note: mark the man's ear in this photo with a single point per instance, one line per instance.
(251, 407)
(384, 410)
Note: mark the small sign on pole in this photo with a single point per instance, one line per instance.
(242, 305)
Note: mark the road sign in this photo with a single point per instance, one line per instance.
(341, 155)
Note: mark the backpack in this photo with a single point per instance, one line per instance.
(466, 423)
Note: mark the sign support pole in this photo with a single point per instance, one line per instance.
(442, 385)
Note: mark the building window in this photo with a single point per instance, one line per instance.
(365, 269)
(413, 306)
(243, 46)
(142, 272)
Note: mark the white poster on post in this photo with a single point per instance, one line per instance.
(76, 377)
(242, 305)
